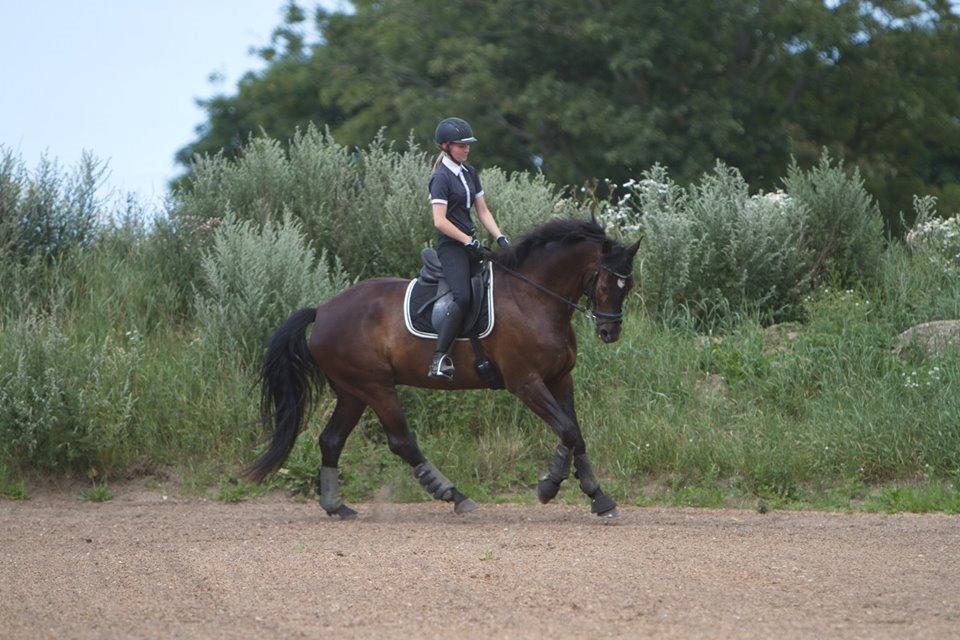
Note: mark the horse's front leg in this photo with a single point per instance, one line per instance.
(559, 470)
(558, 412)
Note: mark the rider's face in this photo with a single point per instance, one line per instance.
(458, 151)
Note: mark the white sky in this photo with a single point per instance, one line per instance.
(120, 77)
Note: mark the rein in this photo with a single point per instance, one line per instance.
(606, 316)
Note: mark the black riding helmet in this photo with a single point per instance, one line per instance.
(454, 130)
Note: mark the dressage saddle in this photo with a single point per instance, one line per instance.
(431, 275)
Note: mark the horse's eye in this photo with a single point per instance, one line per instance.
(621, 283)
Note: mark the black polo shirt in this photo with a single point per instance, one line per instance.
(457, 186)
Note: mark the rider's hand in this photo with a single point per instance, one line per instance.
(474, 249)
(502, 241)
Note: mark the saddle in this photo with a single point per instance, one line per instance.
(428, 297)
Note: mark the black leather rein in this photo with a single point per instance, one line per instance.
(606, 316)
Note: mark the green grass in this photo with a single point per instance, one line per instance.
(14, 490)
(97, 493)
(233, 490)
(12, 487)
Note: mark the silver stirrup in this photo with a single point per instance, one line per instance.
(444, 368)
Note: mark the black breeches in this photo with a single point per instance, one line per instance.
(456, 269)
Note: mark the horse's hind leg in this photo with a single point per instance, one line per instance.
(345, 417)
(403, 443)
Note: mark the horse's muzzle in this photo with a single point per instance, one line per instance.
(608, 331)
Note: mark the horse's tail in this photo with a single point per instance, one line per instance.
(290, 382)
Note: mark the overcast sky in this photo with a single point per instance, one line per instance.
(120, 78)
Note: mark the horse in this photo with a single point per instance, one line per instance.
(359, 345)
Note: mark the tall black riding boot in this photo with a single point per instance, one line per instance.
(442, 365)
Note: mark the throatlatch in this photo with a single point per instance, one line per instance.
(557, 472)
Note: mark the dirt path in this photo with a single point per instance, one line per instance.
(141, 566)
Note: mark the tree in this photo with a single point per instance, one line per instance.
(606, 88)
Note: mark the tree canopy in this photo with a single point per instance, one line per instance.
(607, 88)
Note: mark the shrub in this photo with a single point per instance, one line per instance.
(521, 201)
(368, 208)
(938, 238)
(66, 403)
(254, 277)
(844, 227)
(49, 211)
(713, 247)
(917, 279)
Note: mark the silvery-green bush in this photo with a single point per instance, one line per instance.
(844, 226)
(712, 248)
(254, 277)
(521, 201)
(66, 402)
(50, 210)
(368, 207)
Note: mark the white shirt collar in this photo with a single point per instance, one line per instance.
(453, 166)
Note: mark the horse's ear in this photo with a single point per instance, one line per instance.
(632, 249)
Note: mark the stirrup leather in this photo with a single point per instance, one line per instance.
(441, 366)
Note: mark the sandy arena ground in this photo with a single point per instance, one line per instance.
(145, 566)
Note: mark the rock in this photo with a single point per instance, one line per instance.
(933, 338)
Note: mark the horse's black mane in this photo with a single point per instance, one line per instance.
(562, 231)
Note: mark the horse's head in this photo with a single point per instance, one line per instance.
(609, 286)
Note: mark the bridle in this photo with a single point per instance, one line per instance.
(607, 317)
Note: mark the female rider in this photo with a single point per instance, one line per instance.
(454, 189)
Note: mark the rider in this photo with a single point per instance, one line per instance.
(454, 188)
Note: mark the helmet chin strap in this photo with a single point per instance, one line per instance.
(446, 153)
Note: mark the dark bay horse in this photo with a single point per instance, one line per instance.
(360, 346)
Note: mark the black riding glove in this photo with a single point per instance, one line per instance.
(503, 242)
(474, 249)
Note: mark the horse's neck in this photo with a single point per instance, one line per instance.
(563, 272)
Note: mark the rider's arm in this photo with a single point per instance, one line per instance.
(446, 227)
(485, 217)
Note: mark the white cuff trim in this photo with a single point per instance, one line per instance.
(479, 195)
(438, 201)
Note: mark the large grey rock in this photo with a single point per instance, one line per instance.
(933, 338)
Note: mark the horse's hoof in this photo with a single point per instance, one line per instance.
(343, 512)
(610, 517)
(465, 506)
(547, 490)
(602, 504)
